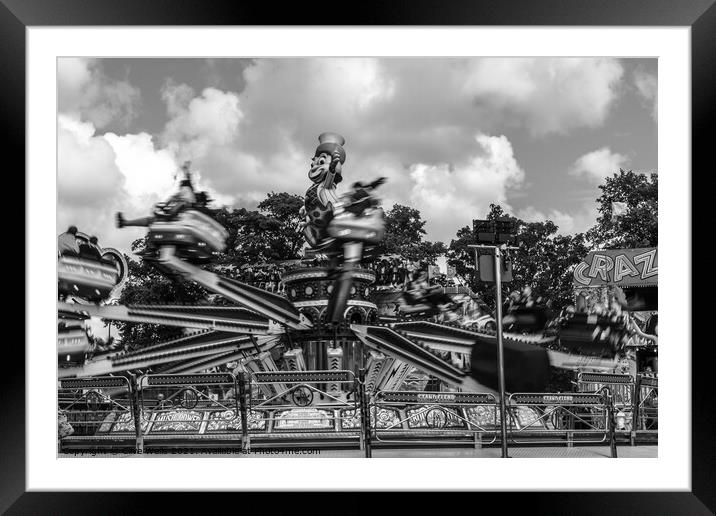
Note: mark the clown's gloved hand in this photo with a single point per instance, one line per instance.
(336, 161)
(378, 182)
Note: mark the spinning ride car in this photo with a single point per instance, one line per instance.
(72, 344)
(90, 273)
(195, 235)
(423, 300)
(358, 218)
(526, 319)
(357, 225)
(182, 223)
(593, 335)
(482, 322)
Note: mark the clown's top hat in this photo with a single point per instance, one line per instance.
(329, 143)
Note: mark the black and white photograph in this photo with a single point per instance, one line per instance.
(358, 257)
(413, 250)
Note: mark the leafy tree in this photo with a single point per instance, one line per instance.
(404, 230)
(462, 257)
(638, 225)
(283, 208)
(268, 234)
(545, 260)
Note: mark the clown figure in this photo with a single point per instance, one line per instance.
(325, 173)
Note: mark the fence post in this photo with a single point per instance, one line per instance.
(636, 400)
(608, 402)
(364, 413)
(241, 382)
(136, 413)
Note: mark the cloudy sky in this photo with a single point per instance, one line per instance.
(452, 135)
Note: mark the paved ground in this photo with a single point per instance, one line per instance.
(581, 452)
(536, 452)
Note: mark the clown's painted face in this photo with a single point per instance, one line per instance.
(319, 167)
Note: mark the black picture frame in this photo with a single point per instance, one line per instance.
(700, 15)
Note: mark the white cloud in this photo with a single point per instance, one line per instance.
(87, 173)
(89, 183)
(450, 197)
(147, 171)
(99, 175)
(598, 165)
(568, 223)
(647, 87)
(73, 74)
(211, 119)
(86, 93)
(546, 95)
(393, 112)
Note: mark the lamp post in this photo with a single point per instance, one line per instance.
(497, 278)
(500, 351)
(496, 234)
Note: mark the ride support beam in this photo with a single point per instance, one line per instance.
(153, 357)
(388, 341)
(272, 306)
(229, 319)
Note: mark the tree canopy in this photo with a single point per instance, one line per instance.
(545, 259)
(264, 235)
(638, 225)
(404, 230)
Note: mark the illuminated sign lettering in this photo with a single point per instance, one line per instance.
(436, 397)
(624, 267)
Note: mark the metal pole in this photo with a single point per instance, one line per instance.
(136, 413)
(241, 384)
(609, 402)
(500, 351)
(364, 413)
(636, 400)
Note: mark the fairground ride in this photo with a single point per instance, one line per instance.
(327, 319)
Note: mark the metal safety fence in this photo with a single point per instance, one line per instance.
(89, 407)
(332, 408)
(646, 414)
(621, 386)
(624, 400)
(196, 406)
(560, 418)
(428, 417)
(304, 406)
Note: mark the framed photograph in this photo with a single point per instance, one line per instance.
(404, 247)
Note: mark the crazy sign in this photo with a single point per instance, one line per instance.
(623, 267)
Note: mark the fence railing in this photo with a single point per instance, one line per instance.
(89, 407)
(304, 405)
(625, 398)
(429, 417)
(330, 407)
(621, 386)
(177, 405)
(646, 401)
(562, 418)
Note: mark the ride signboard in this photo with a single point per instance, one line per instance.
(622, 267)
